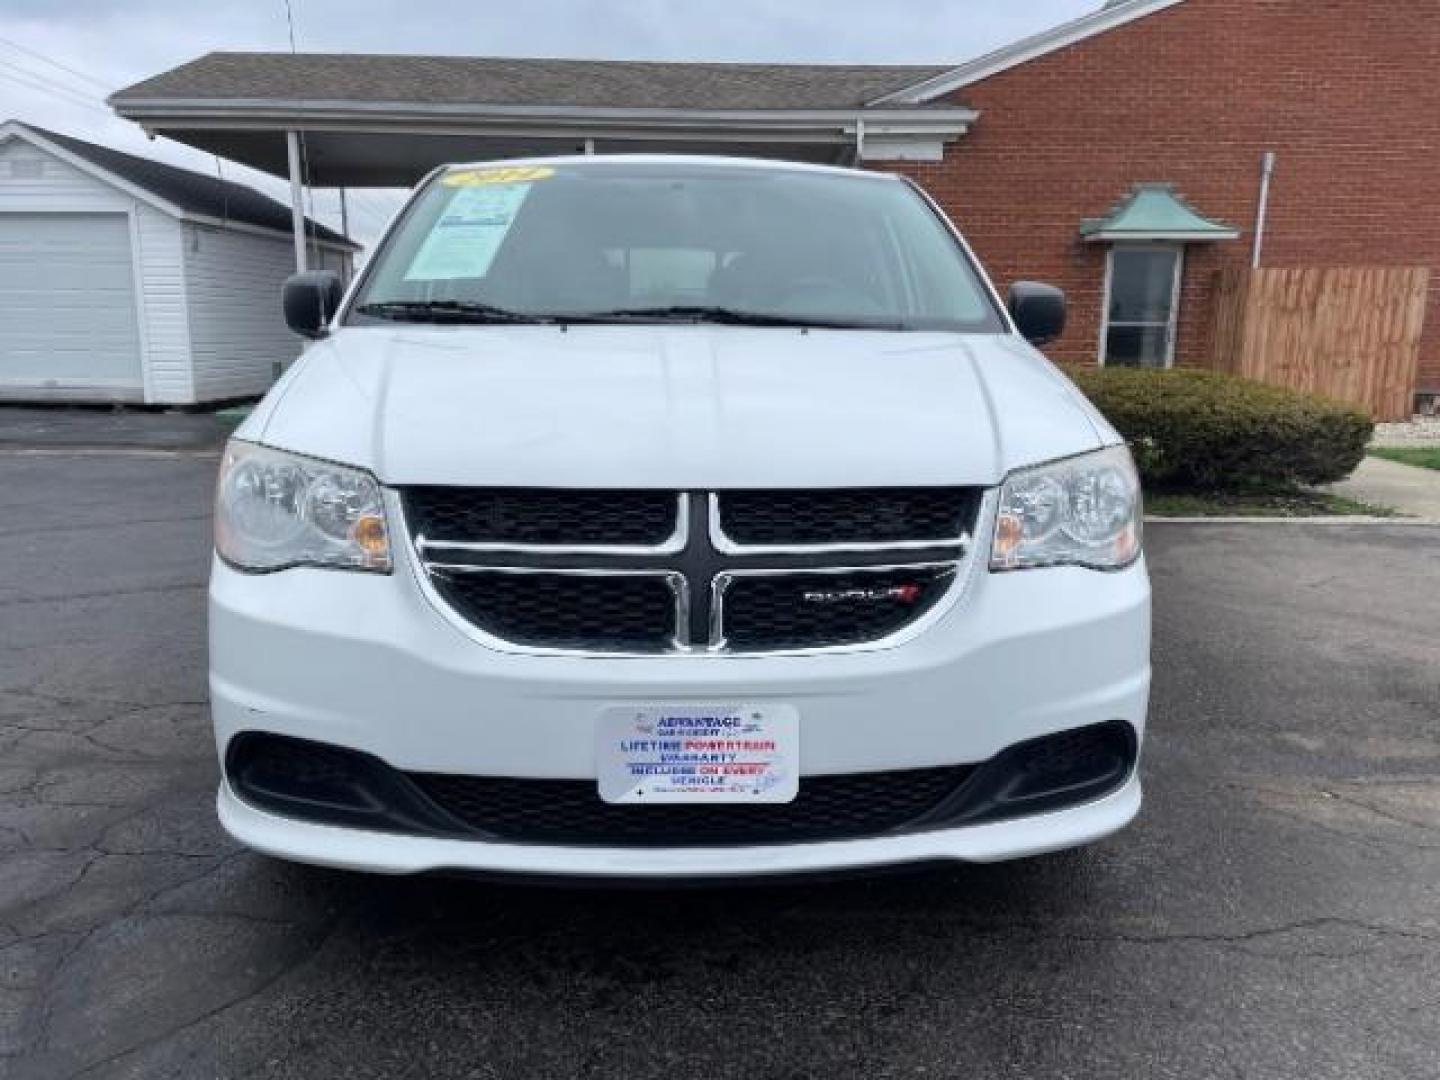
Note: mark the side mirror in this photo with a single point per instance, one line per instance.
(1038, 311)
(310, 299)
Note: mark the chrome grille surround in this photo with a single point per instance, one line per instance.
(721, 584)
(699, 562)
(671, 639)
(725, 544)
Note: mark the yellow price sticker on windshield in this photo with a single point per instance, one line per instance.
(512, 174)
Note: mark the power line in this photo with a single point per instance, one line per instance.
(45, 84)
(290, 24)
(307, 219)
(378, 216)
(224, 190)
(56, 64)
(41, 81)
(55, 90)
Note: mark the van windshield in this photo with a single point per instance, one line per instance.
(616, 241)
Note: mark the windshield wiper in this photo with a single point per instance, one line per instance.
(458, 311)
(697, 313)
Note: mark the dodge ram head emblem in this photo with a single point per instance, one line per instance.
(901, 594)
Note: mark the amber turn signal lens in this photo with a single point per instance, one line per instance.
(370, 534)
(1008, 531)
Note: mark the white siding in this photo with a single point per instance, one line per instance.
(32, 180)
(169, 377)
(237, 328)
(338, 262)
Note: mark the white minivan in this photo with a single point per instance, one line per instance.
(675, 517)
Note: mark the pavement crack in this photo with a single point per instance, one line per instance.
(107, 526)
(255, 991)
(1386, 815)
(103, 594)
(1303, 926)
(221, 861)
(91, 699)
(1288, 805)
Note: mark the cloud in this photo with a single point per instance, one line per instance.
(118, 42)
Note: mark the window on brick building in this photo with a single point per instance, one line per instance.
(1147, 232)
(1142, 304)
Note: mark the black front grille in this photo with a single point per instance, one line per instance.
(798, 611)
(847, 515)
(541, 516)
(623, 613)
(595, 571)
(570, 811)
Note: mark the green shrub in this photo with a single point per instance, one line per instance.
(1197, 429)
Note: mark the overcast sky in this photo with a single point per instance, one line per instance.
(103, 45)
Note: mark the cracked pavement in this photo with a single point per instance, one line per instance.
(1274, 913)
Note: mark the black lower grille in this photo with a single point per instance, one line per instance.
(595, 612)
(317, 782)
(847, 515)
(799, 611)
(571, 812)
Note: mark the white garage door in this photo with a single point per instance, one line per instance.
(67, 306)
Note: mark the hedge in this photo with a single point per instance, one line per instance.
(1198, 429)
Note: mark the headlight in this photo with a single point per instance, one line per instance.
(1083, 511)
(275, 510)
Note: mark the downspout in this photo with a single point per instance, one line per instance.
(1267, 170)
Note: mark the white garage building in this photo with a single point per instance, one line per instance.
(129, 280)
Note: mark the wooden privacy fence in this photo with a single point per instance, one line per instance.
(1348, 332)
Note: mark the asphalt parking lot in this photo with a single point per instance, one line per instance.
(1275, 912)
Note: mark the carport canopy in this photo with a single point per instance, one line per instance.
(386, 120)
(352, 120)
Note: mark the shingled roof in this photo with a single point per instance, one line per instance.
(190, 192)
(355, 77)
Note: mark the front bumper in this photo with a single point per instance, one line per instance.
(387, 853)
(366, 662)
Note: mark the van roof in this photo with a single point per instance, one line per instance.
(698, 160)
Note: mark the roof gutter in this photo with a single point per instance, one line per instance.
(1120, 236)
(231, 225)
(265, 114)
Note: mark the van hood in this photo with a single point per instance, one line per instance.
(675, 407)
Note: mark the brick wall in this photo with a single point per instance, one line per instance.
(1346, 92)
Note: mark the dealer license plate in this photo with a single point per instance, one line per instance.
(684, 754)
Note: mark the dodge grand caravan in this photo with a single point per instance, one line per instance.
(673, 517)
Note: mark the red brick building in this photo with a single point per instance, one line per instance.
(1345, 93)
(1030, 149)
